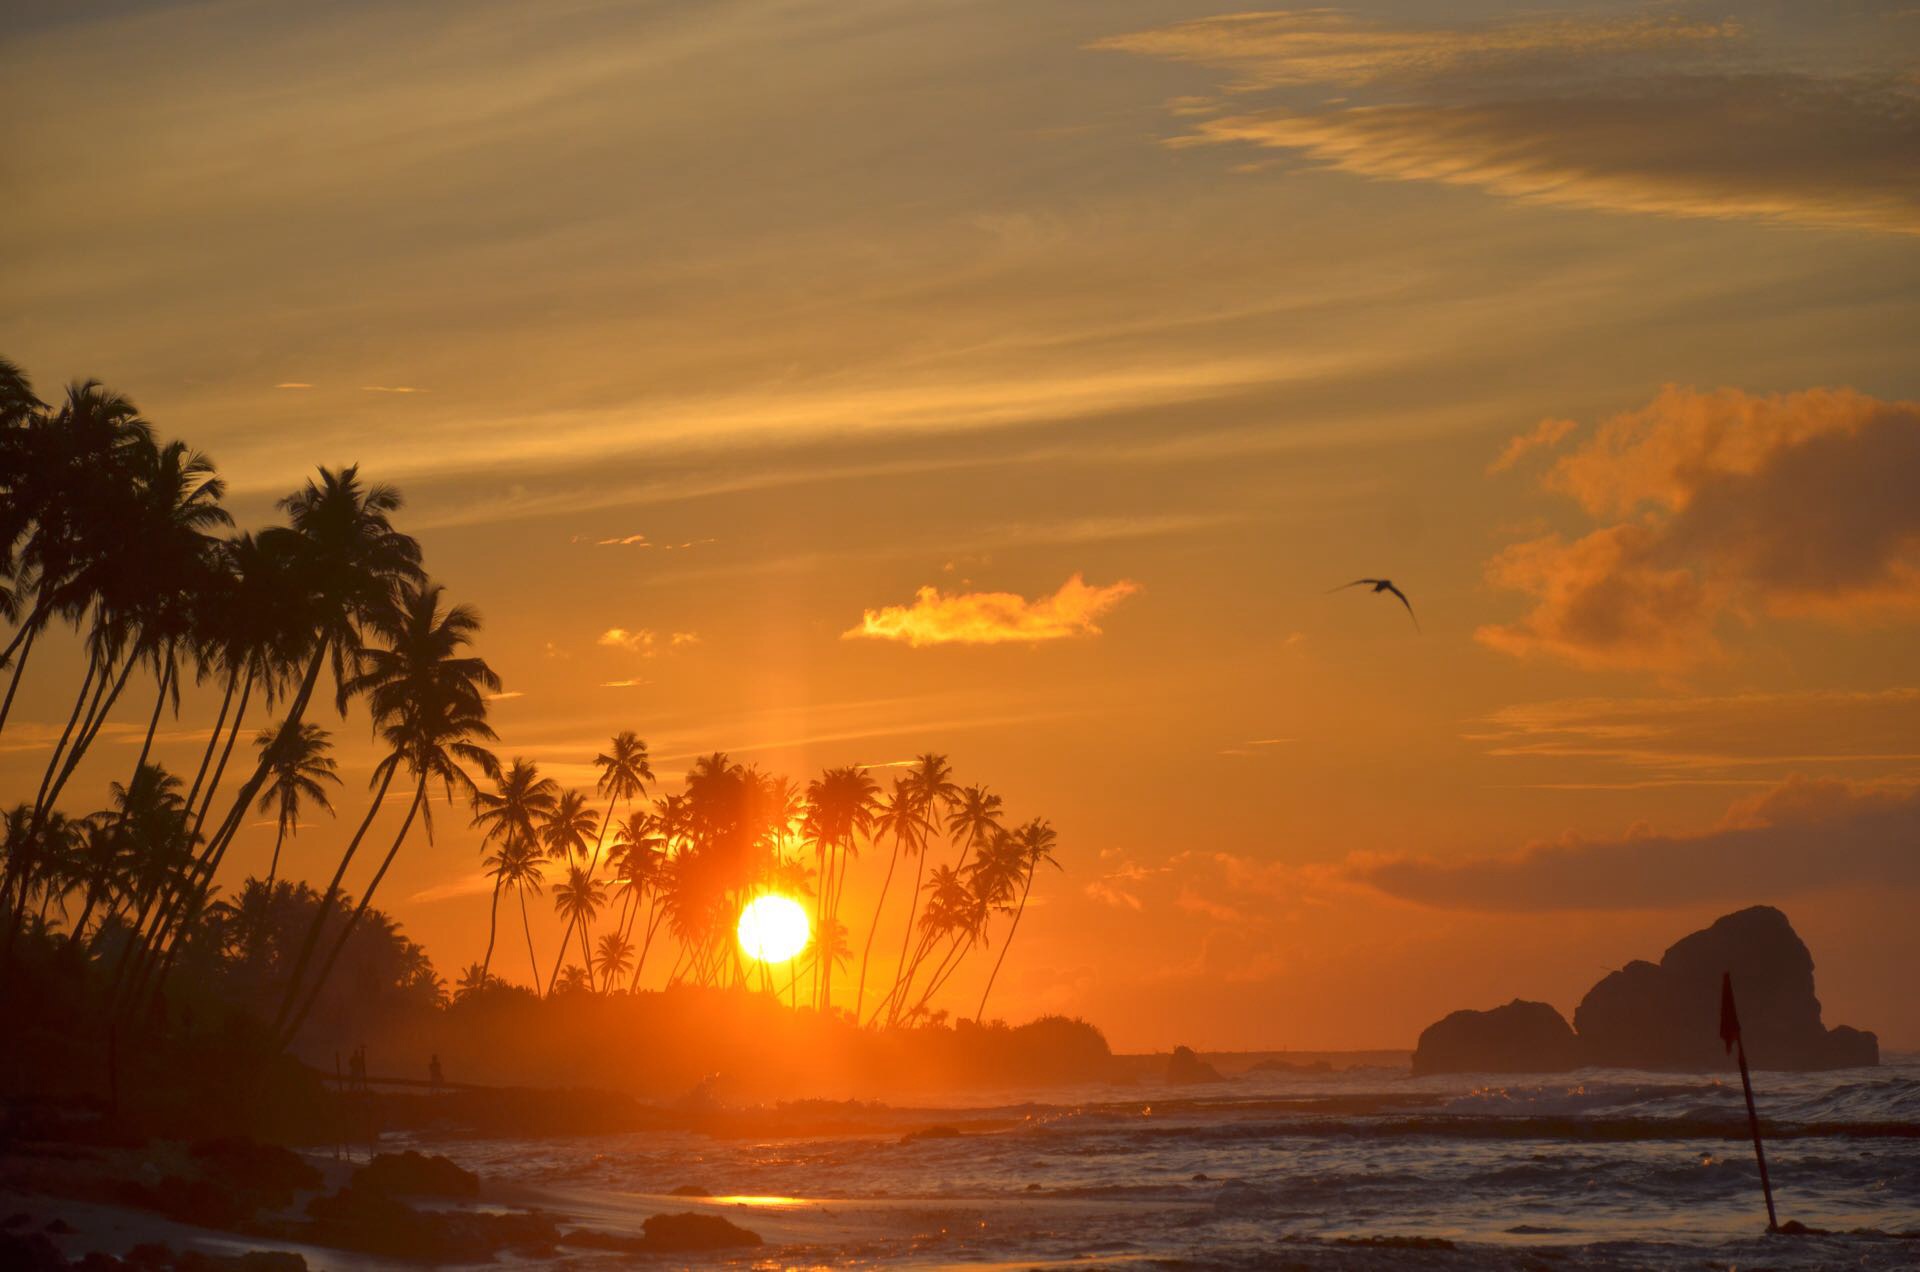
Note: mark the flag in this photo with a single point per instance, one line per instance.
(1729, 1019)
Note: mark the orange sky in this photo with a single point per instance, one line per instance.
(828, 383)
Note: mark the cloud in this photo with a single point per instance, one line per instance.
(474, 885)
(389, 388)
(623, 684)
(634, 642)
(508, 694)
(1545, 435)
(1805, 836)
(625, 541)
(292, 384)
(680, 640)
(1323, 46)
(1648, 115)
(1728, 505)
(1696, 740)
(992, 618)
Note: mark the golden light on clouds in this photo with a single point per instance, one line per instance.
(994, 618)
(1729, 505)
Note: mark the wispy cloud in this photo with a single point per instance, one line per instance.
(623, 684)
(292, 384)
(1641, 115)
(389, 388)
(994, 618)
(1806, 836)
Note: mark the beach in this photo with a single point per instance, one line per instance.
(1363, 1168)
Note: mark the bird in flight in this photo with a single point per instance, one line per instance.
(1384, 585)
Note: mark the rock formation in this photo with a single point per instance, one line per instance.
(1185, 1066)
(1521, 1037)
(1665, 1015)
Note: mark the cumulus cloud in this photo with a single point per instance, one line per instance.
(639, 642)
(1725, 505)
(1545, 435)
(1645, 115)
(993, 618)
(1806, 835)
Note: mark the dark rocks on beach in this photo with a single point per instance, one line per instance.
(1184, 1067)
(1666, 1015)
(1522, 1037)
(363, 1218)
(38, 1254)
(412, 1174)
(668, 1234)
(1278, 1065)
(691, 1190)
(35, 1252)
(690, 1231)
(267, 1175)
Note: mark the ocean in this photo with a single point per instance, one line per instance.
(1354, 1169)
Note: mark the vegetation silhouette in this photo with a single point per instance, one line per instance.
(111, 533)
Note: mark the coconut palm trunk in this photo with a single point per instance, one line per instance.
(860, 995)
(30, 632)
(213, 738)
(292, 1028)
(493, 929)
(332, 895)
(533, 960)
(1007, 944)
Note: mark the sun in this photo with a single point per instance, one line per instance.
(773, 928)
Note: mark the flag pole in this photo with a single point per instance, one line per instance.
(1730, 1034)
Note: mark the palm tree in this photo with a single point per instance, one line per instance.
(564, 833)
(518, 866)
(616, 956)
(841, 805)
(430, 700)
(974, 819)
(578, 900)
(297, 762)
(343, 560)
(929, 781)
(1029, 846)
(521, 796)
(473, 979)
(639, 860)
(564, 830)
(900, 817)
(624, 774)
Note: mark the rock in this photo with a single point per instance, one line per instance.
(1522, 1037)
(691, 1190)
(413, 1174)
(58, 1227)
(367, 1219)
(1184, 1066)
(33, 1253)
(1667, 1015)
(265, 1174)
(689, 1231)
(1277, 1065)
(932, 1132)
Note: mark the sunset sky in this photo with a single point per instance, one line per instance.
(826, 383)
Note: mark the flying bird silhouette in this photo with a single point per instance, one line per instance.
(1383, 585)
